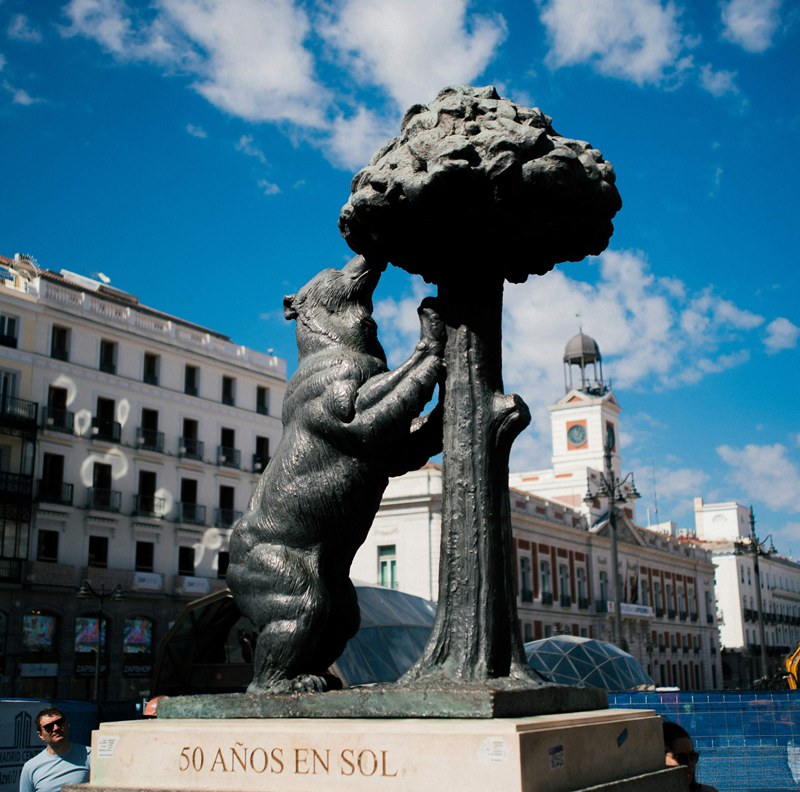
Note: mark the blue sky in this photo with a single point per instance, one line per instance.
(197, 152)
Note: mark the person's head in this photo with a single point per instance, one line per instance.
(53, 729)
(678, 748)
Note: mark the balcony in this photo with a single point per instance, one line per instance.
(103, 499)
(18, 413)
(583, 603)
(59, 353)
(694, 617)
(149, 505)
(547, 598)
(225, 518)
(191, 390)
(228, 457)
(58, 420)
(565, 601)
(601, 606)
(8, 340)
(682, 615)
(659, 613)
(190, 448)
(150, 439)
(671, 614)
(192, 513)
(15, 488)
(11, 570)
(262, 409)
(526, 595)
(54, 492)
(110, 431)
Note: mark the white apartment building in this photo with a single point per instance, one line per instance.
(562, 545)
(130, 442)
(725, 530)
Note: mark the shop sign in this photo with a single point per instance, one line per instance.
(38, 669)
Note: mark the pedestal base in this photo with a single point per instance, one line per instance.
(607, 749)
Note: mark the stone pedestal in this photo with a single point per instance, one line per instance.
(603, 749)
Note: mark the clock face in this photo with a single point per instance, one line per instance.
(576, 435)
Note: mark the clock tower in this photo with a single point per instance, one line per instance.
(587, 416)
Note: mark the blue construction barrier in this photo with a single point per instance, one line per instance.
(747, 740)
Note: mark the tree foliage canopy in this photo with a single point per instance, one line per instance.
(476, 180)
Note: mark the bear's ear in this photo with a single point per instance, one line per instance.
(288, 306)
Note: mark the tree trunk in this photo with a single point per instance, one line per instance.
(475, 636)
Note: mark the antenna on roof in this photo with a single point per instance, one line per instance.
(102, 277)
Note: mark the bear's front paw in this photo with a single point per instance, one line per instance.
(432, 332)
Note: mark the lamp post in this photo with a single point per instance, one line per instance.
(614, 489)
(757, 547)
(87, 591)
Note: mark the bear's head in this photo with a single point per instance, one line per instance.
(334, 310)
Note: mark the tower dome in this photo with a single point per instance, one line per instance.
(582, 351)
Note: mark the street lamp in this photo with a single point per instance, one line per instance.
(615, 490)
(757, 549)
(87, 591)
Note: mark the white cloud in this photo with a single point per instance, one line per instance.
(751, 24)
(718, 83)
(354, 138)
(638, 41)
(764, 473)
(247, 56)
(412, 48)
(246, 146)
(268, 188)
(20, 29)
(196, 131)
(781, 334)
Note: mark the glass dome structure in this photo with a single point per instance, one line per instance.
(585, 662)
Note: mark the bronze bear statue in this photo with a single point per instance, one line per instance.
(348, 424)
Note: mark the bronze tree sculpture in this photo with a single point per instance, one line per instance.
(477, 190)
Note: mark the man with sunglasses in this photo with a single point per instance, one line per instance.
(61, 762)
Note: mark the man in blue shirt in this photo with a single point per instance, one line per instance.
(61, 762)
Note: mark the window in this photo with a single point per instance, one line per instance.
(47, 546)
(262, 400)
(98, 552)
(226, 516)
(546, 581)
(563, 585)
(137, 636)
(148, 436)
(580, 578)
(188, 509)
(525, 579)
(645, 591)
(56, 417)
(186, 561)
(59, 343)
(261, 456)
(38, 632)
(227, 453)
(90, 634)
(190, 446)
(144, 556)
(387, 566)
(604, 587)
(152, 364)
(108, 356)
(9, 328)
(191, 380)
(223, 559)
(146, 502)
(228, 390)
(51, 486)
(104, 427)
(100, 495)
